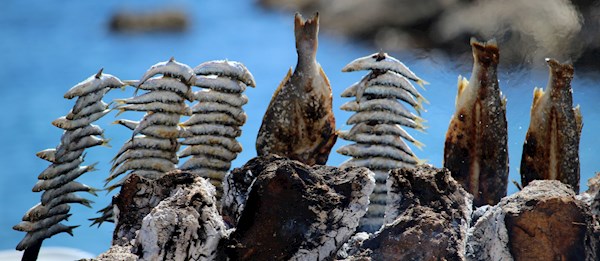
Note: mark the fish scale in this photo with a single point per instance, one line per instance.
(379, 140)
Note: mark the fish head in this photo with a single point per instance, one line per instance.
(486, 53)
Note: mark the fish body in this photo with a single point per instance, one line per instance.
(231, 69)
(66, 124)
(221, 84)
(35, 236)
(94, 83)
(551, 149)
(168, 84)
(39, 212)
(383, 62)
(233, 99)
(154, 96)
(475, 150)
(228, 143)
(299, 122)
(170, 68)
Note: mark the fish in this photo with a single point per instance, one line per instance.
(383, 139)
(58, 169)
(551, 148)
(211, 129)
(178, 108)
(386, 104)
(299, 122)
(229, 143)
(208, 107)
(384, 117)
(93, 84)
(231, 69)
(233, 99)
(205, 162)
(476, 145)
(145, 153)
(87, 142)
(382, 129)
(70, 187)
(66, 124)
(147, 142)
(391, 78)
(36, 236)
(69, 198)
(144, 173)
(64, 155)
(221, 84)
(28, 226)
(215, 151)
(374, 150)
(170, 68)
(161, 131)
(383, 62)
(39, 212)
(153, 96)
(376, 163)
(88, 110)
(152, 118)
(158, 164)
(70, 136)
(87, 100)
(214, 117)
(168, 84)
(382, 91)
(61, 180)
(127, 123)
(47, 154)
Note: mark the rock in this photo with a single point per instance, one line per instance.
(117, 252)
(427, 217)
(298, 212)
(544, 221)
(162, 20)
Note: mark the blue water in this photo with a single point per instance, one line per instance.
(47, 47)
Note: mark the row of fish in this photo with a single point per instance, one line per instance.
(216, 119)
(377, 133)
(58, 180)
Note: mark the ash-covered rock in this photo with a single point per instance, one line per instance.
(544, 221)
(297, 212)
(427, 217)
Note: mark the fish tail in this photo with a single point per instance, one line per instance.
(418, 144)
(422, 83)
(306, 32)
(422, 99)
(92, 167)
(560, 70)
(105, 143)
(420, 161)
(485, 52)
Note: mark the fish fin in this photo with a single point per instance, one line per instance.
(420, 161)
(172, 59)
(105, 143)
(322, 73)
(99, 74)
(120, 111)
(422, 99)
(285, 80)
(422, 83)
(306, 32)
(537, 94)
(578, 119)
(92, 167)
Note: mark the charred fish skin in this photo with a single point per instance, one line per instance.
(299, 121)
(551, 148)
(476, 146)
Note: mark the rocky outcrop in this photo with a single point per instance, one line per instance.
(544, 221)
(296, 212)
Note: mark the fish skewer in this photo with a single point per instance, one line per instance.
(551, 148)
(379, 114)
(476, 147)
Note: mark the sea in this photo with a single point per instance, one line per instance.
(49, 46)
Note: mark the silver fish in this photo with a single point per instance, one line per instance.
(385, 139)
(47, 154)
(377, 163)
(170, 68)
(168, 84)
(66, 124)
(63, 154)
(87, 111)
(397, 80)
(381, 129)
(70, 187)
(208, 107)
(384, 117)
(88, 99)
(58, 169)
(70, 136)
(69, 198)
(383, 62)
(161, 131)
(28, 226)
(127, 123)
(62, 179)
(222, 84)
(370, 150)
(357, 89)
(145, 153)
(93, 84)
(229, 143)
(233, 99)
(214, 117)
(382, 91)
(151, 118)
(153, 96)
(391, 105)
(212, 151)
(226, 68)
(211, 129)
(178, 108)
(87, 142)
(39, 212)
(149, 143)
(36, 236)
(204, 162)
(157, 164)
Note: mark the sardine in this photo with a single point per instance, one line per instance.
(147, 142)
(358, 88)
(88, 100)
(229, 143)
(390, 105)
(168, 84)
(384, 117)
(151, 118)
(178, 108)
(58, 169)
(391, 78)
(145, 153)
(382, 91)
(69, 198)
(63, 154)
(551, 148)
(371, 150)
(87, 142)
(377, 163)
(88, 110)
(127, 123)
(383, 139)
(211, 129)
(70, 136)
(214, 117)
(476, 146)
(47, 154)
(28, 226)
(36, 236)
(58, 181)
(153, 96)
(93, 84)
(208, 107)
(72, 186)
(221, 84)
(39, 212)
(226, 68)
(158, 164)
(170, 68)
(383, 62)
(161, 131)
(381, 129)
(205, 162)
(233, 99)
(215, 151)
(66, 124)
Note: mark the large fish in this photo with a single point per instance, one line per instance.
(299, 121)
(551, 149)
(476, 149)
